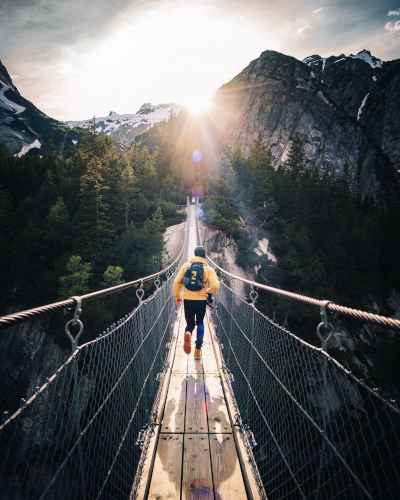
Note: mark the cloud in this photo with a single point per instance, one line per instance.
(41, 28)
(77, 58)
(304, 28)
(392, 27)
(394, 12)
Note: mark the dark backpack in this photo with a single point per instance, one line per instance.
(194, 277)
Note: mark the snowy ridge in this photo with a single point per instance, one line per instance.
(363, 55)
(146, 117)
(7, 103)
(312, 60)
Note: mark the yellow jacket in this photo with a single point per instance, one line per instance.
(211, 283)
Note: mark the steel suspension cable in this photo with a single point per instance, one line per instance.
(326, 304)
(77, 433)
(14, 318)
(319, 431)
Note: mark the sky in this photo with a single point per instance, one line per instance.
(75, 59)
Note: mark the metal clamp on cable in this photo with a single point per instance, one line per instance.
(140, 292)
(325, 326)
(253, 296)
(75, 321)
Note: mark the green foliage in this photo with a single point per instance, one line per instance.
(109, 208)
(112, 276)
(58, 221)
(77, 279)
(219, 208)
(328, 242)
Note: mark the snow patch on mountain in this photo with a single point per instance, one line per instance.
(146, 117)
(365, 55)
(312, 60)
(360, 109)
(27, 147)
(264, 249)
(323, 97)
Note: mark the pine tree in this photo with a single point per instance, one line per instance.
(127, 192)
(59, 223)
(91, 185)
(295, 162)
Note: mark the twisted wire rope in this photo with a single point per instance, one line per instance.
(77, 435)
(320, 432)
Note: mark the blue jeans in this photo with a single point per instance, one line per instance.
(195, 311)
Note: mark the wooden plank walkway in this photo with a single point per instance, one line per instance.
(195, 455)
(193, 451)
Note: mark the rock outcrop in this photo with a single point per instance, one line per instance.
(342, 107)
(24, 128)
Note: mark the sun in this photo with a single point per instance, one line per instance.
(197, 105)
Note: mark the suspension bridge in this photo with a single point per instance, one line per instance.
(126, 414)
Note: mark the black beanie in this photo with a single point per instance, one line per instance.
(200, 252)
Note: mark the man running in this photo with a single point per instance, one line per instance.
(198, 282)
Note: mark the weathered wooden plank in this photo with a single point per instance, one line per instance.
(174, 413)
(227, 475)
(208, 360)
(251, 476)
(197, 477)
(180, 361)
(207, 337)
(143, 477)
(194, 366)
(218, 417)
(167, 472)
(196, 416)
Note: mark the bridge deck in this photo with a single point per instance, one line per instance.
(194, 453)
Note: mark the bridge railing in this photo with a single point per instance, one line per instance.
(77, 432)
(316, 430)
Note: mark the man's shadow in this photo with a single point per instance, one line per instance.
(209, 408)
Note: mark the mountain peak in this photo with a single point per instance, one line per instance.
(146, 108)
(366, 56)
(126, 127)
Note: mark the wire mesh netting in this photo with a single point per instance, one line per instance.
(76, 436)
(319, 432)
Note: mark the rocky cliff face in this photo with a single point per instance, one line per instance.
(25, 128)
(342, 107)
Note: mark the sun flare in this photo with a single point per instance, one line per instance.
(197, 105)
